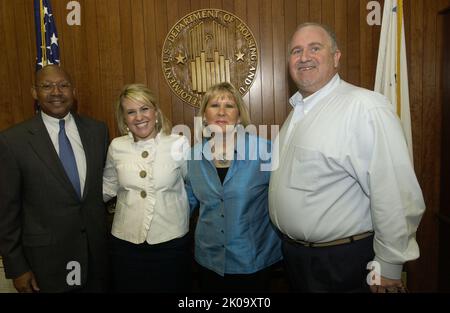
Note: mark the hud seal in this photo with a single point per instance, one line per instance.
(207, 47)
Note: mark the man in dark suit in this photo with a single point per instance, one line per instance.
(53, 232)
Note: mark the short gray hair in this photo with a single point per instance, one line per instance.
(330, 32)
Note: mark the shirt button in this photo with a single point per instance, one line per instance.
(222, 215)
(144, 154)
(222, 231)
(143, 194)
(143, 174)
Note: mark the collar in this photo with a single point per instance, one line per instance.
(55, 121)
(297, 98)
(146, 142)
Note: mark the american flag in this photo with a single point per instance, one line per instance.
(46, 35)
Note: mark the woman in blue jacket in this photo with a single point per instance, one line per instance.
(228, 180)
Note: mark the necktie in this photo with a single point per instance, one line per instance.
(67, 157)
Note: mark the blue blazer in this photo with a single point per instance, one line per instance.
(234, 234)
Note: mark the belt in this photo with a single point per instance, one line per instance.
(336, 242)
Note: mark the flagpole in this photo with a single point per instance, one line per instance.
(399, 49)
(43, 42)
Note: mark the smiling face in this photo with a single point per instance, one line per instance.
(222, 110)
(140, 118)
(312, 61)
(54, 91)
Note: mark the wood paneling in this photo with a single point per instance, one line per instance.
(427, 121)
(444, 210)
(120, 42)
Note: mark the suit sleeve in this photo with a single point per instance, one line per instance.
(14, 259)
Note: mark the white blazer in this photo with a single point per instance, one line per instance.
(148, 179)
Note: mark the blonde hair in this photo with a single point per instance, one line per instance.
(141, 93)
(223, 88)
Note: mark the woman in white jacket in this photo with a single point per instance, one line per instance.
(145, 170)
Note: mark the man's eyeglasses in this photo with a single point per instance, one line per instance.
(47, 87)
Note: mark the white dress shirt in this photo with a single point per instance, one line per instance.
(302, 106)
(147, 178)
(345, 170)
(52, 125)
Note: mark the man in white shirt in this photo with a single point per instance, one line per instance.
(345, 192)
(53, 232)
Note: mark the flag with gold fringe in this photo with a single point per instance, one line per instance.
(47, 47)
(392, 75)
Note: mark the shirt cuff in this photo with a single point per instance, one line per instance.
(389, 270)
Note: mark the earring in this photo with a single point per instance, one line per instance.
(129, 133)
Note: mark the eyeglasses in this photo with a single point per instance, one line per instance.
(47, 87)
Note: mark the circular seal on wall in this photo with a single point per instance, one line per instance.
(207, 47)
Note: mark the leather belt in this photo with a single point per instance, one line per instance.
(336, 242)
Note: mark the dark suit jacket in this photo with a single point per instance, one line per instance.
(43, 224)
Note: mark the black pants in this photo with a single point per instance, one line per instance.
(211, 282)
(164, 267)
(329, 269)
(96, 283)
